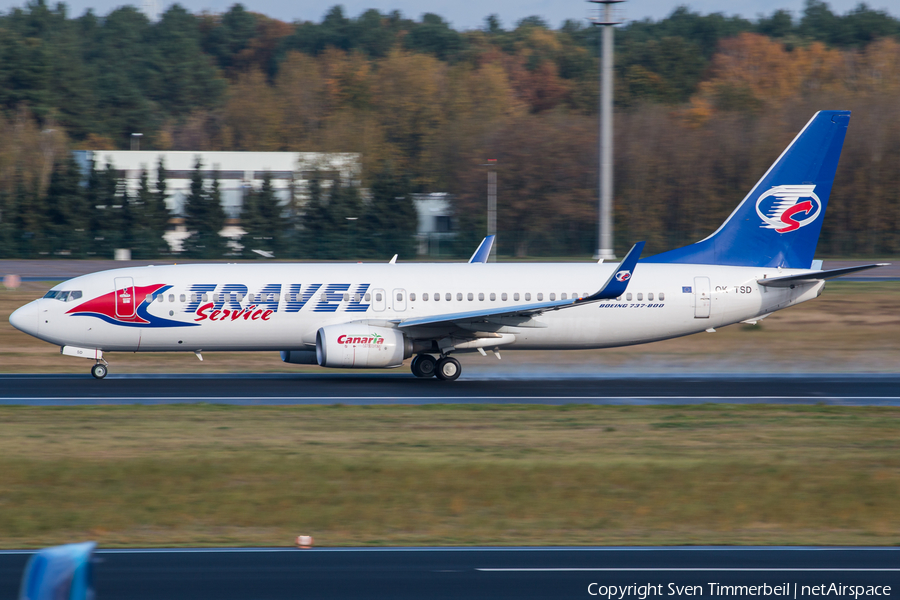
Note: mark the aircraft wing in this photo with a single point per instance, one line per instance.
(483, 251)
(613, 288)
(792, 280)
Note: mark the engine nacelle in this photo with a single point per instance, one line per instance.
(358, 346)
(299, 357)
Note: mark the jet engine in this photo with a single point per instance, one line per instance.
(299, 357)
(359, 346)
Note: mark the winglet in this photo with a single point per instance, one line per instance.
(618, 281)
(484, 250)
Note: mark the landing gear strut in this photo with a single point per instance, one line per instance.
(423, 365)
(99, 371)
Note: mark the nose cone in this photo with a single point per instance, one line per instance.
(26, 318)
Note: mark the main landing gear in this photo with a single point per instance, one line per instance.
(446, 368)
(100, 370)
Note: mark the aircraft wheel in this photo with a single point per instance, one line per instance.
(99, 371)
(423, 365)
(448, 369)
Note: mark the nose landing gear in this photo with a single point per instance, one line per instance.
(100, 370)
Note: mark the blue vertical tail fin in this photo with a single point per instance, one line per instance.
(778, 223)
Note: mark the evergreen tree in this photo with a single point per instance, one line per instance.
(146, 243)
(314, 218)
(204, 218)
(7, 227)
(261, 218)
(67, 213)
(107, 223)
(328, 233)
(160, 212)
(390, 220)
(30, 221)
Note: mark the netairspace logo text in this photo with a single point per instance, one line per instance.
(715, 589)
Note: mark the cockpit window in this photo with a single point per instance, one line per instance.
(63, 295)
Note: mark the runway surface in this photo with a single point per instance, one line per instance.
(398, 573)
(403, 388)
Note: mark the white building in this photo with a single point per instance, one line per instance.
(236, 171)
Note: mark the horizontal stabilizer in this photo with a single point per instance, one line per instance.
(814, 276)
(484, 250)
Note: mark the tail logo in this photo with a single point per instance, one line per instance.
(780, 206)
(623, 275)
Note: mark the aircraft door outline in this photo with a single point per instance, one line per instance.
(398, 299)
(379, 301)
(702, 297)
(126, 303)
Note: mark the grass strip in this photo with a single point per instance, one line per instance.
(461, 475)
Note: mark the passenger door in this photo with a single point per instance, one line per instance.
(399, 300)
(379, 301)
(126, 303)
(702, 297)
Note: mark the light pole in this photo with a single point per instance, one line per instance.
(136, 141)
(605, 177)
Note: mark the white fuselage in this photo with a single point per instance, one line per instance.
(205, 307)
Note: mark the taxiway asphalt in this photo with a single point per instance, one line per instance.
(355, 388)
(399, 573)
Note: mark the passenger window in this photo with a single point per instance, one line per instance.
(640, 297)
(459, 296)
(503, 296)
(562, 296)
(205, 298)
(181, 298)
(437, 297)
(662, 296)
(493, 296)
(159, 297)
(425, 297)
(412, 297)
(378, 297)
(399, 296)
(481, 296)
(471, 296)
(527, 296)
(619, 299)
(628, 296)
(368, 297)
(650, 296)
(540, 296)
(516, 296)
(171, 297)
(553, 296)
